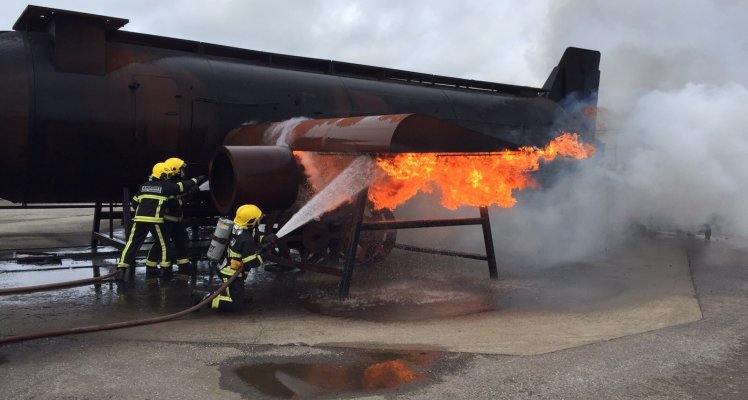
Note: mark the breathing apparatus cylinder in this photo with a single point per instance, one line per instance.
(219, 239)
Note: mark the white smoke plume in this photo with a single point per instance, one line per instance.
(672, 97)
(674, 85)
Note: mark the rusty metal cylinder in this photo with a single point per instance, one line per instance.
(267, 176)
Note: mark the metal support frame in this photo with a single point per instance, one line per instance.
(350, 254)
(126, 217)
(358, 226)
(97, 236)
(488, 240)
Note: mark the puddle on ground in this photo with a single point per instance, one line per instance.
(404, 301)
(354, 373)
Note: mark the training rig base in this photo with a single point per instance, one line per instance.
(359, 225)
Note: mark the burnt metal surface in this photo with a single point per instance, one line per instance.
(35, 18)
(134, 99)
(398, 133)
(263, 175)
(235, 178)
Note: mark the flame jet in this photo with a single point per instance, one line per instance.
(86, 108)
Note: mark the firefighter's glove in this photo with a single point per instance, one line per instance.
(235, 264)
(268, 241)
(201, 179)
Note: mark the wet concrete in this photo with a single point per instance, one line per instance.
(535, 333)
(411, 299)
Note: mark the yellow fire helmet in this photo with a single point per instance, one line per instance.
(161, 171)
(247, 215)
(176, 165)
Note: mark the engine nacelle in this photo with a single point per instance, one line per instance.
(267, 176)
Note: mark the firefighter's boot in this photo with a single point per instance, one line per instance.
(185, 271)
(198, 296)
(121, 274)
(165, 272)
(151, 272)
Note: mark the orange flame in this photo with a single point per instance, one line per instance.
(463, 179)
(468, 180)
(388, 374)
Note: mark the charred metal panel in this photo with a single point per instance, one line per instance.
(573, 84)
(78, 45)
(276, 94)
(37, 19)
(156, 117)
(577, 73)
(15, 100)
(203, 130)
(78, 38)
(381, 98)
(524, 121)
(82, 133)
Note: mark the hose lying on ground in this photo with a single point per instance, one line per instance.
(124, 324)
(58, 285)
(15, 271)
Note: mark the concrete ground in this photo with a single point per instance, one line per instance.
(33, 228)
(655, 318)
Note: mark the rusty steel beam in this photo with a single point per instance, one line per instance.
(439, 252)
(285, 262)
(429, 223)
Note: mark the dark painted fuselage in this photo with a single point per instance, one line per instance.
(79, 128)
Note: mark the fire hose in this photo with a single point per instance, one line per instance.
(57, 285)
(124, 324)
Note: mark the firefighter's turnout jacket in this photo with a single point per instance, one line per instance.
(151, 200)
(155, 196)
(173, 216)
(242, 247)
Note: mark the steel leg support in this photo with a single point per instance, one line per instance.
(96, 225)
(350, 254)
(488, 239)
(126, 220)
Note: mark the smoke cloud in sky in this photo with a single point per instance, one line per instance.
(674, 85)
(673, 97)
(673, 89)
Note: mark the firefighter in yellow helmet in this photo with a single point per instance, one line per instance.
(242, 251)
(173, 216)
(149, 216)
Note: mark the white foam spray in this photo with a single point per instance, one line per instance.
(278, 134)
(357, 176)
